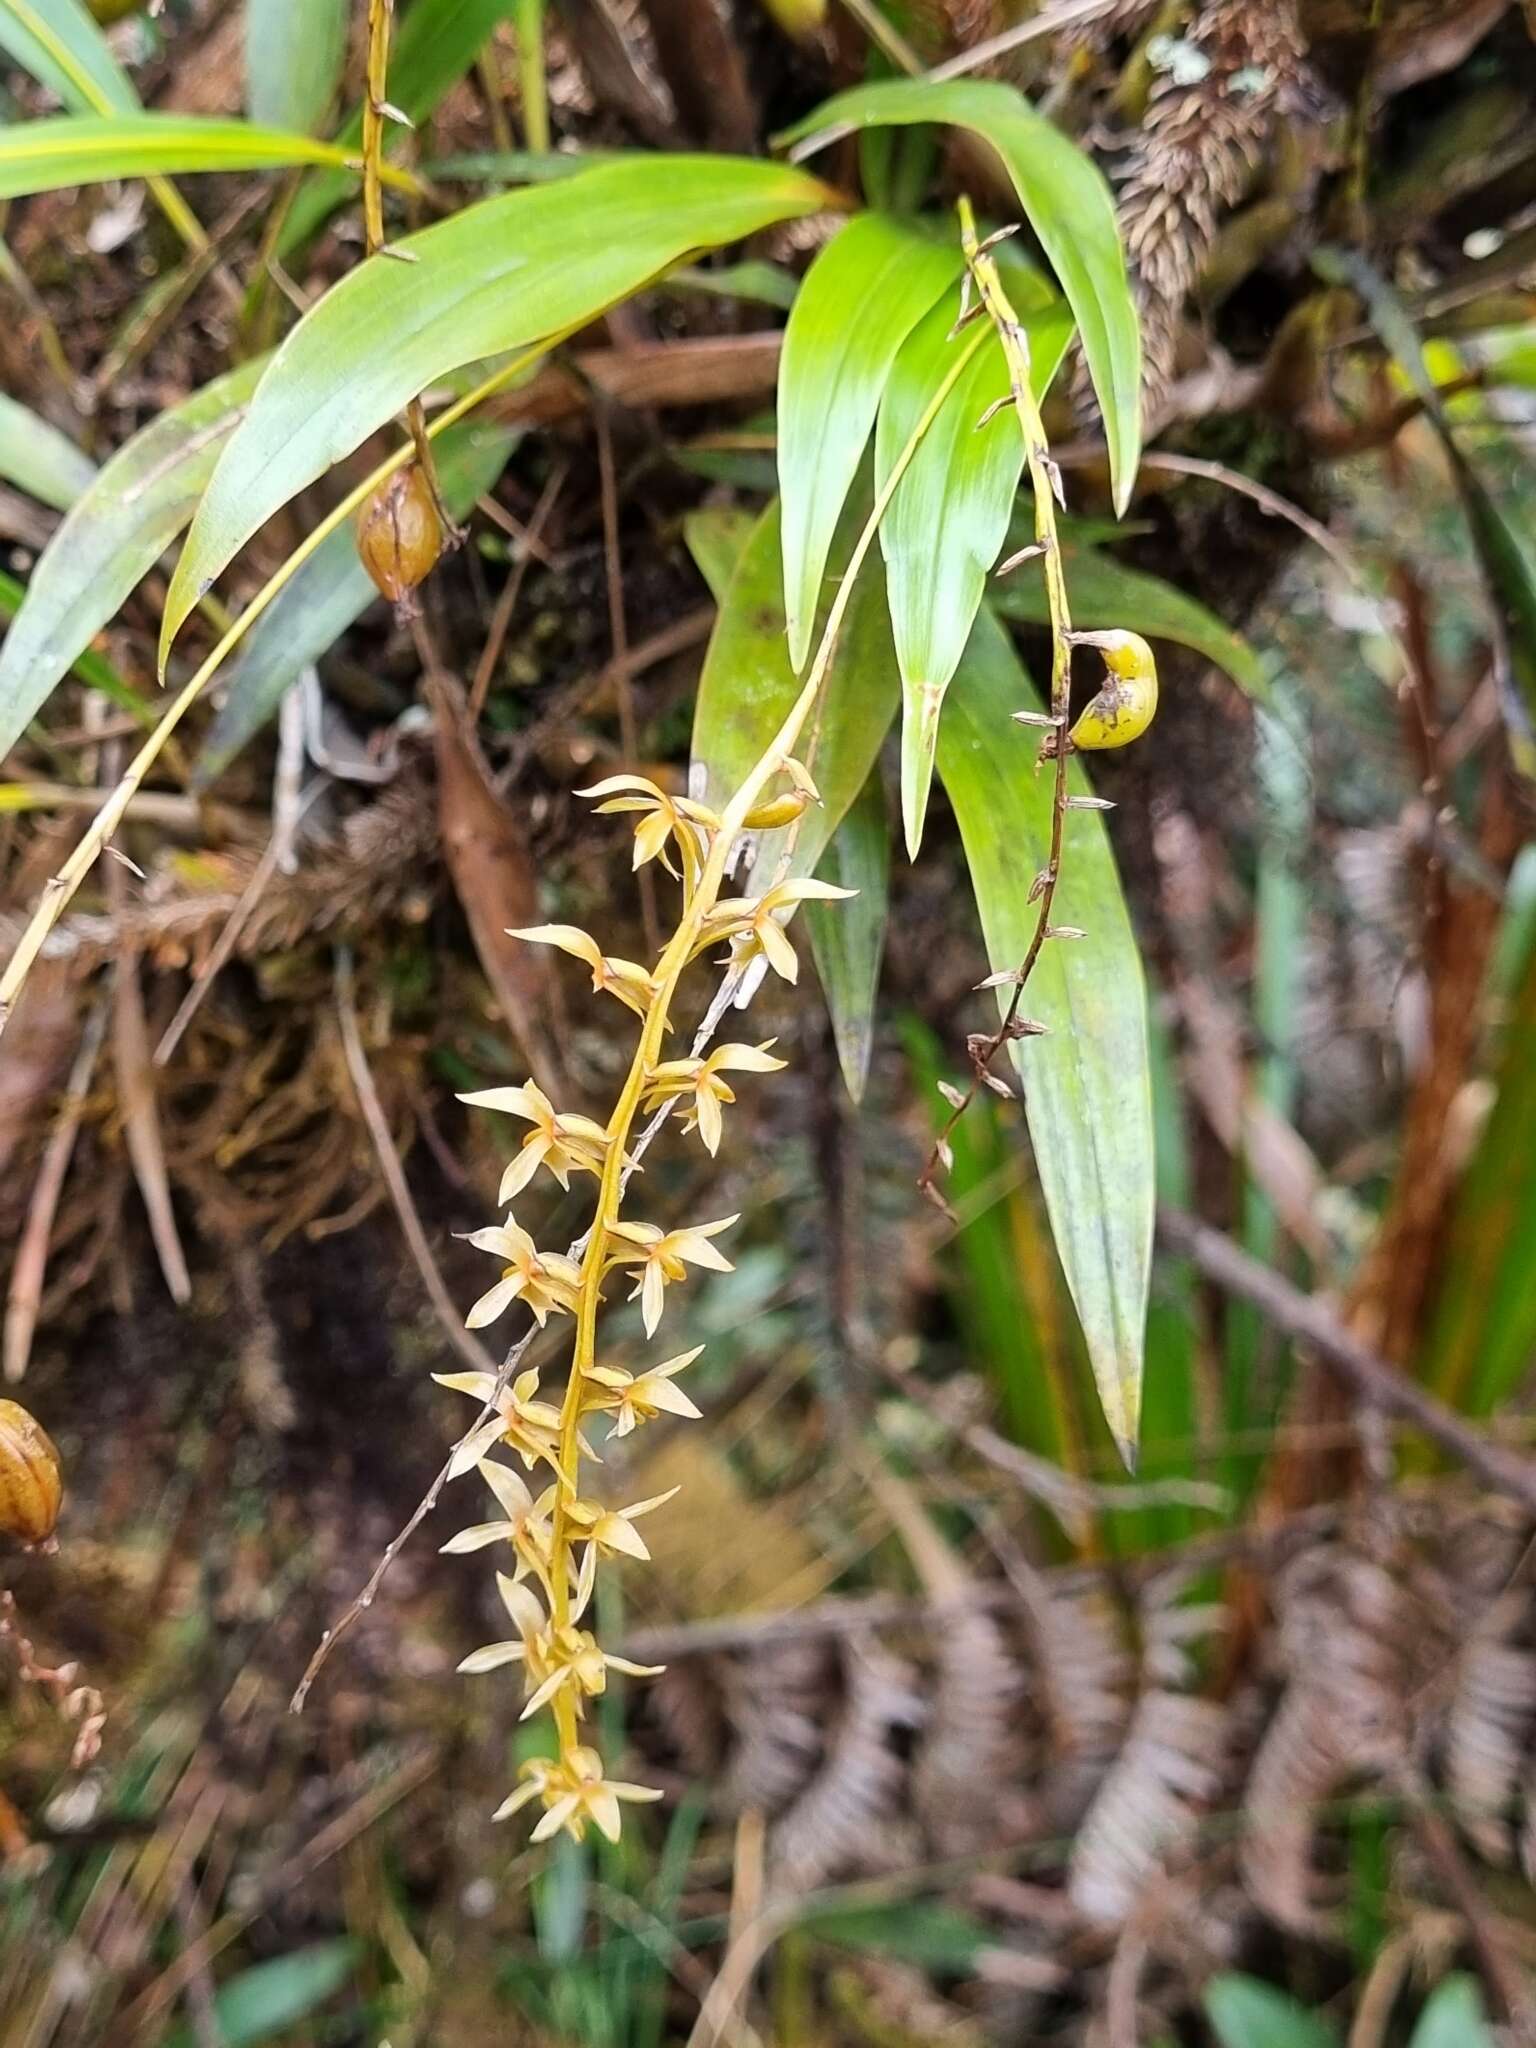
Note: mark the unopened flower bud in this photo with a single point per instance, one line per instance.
(399, 534)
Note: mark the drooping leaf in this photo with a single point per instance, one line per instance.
(748, 686)
(935, 1937)
(326, 594)
(294, 53)
(1068, 205)
(497, 276)
(1087, 1088)
(1244, 2012)
(859, 301)
(117, 530)
(437, 43)
(848, 939)
(1106, 593)
(945, 525)
(85, 149)
(62, 46)
(38, 459)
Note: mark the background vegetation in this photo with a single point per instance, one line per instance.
(966, 1734)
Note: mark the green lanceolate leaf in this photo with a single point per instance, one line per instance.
(500, 275)
(1453, 2017)
(1105, 593)
(848, 939)
(40, 460)
(117, 530)
(1087, 1089)
(860, 299)
(1068, 205)
(947, 521)
(748, 685)
(60, 43)
(294, 52)
(85, 149)
(438, 41)
(326, 594)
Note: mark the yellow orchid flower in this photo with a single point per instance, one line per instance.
(663, 1256)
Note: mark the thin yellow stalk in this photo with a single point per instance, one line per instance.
(998, 310)
(679, 951)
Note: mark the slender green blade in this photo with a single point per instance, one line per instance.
(261, 2003)
(1068, 204)
(748, 686)
(40, 460)
(717, 537)
(324, 597)
(947, 522)
(498, 276)
(85, 149)
(1107, 593)
(1454, 2017)
(860, 300)
(1087, 1088)
(63, 47)
(848, 939)
(1482, 1334)
(294, 53)
(117, 530)
(437, 43)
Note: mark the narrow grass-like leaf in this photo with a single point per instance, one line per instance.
(947, 522)
(294, 53)
(85, 149)
(1086, 1085)
(848, 939)
(859, 301)
(40, 460)
(1106, 593)
(438, 41)
(1068, 205)
(748, 686)
(328, 593)
(117, 530)
(63, 47)
(269, 1998)
(497, 276)
(1482, 1335)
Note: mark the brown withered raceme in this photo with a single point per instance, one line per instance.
(31, 1485)
(400, 535)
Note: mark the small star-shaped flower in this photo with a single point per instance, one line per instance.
(664, 1256)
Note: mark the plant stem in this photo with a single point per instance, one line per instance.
(995, 303)
(375, 99)
(530, 71)
(669, 970)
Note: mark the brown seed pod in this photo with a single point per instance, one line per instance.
(399, 534)
(30, 1483)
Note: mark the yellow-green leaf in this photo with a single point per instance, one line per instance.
(62, 46)
(1087, 1088)
(1068, 204)
(294, 52)
(498, 276)
(85, 149)
(860, 299)
(848, 939)
(40, 460)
